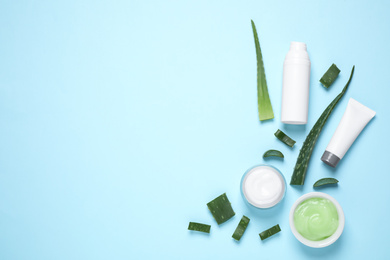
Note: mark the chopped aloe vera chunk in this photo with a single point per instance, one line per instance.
(273, 153)
(241, 228)
(325, 181)
(263, 101)
(199, 227)
(330, 76)
(299, 174)
(221, 209)
(284, 138)
(270, 232)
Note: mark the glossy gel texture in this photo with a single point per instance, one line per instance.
(316, 219)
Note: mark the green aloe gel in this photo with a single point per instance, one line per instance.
(316, 219)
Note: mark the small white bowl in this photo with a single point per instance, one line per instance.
(322, 243)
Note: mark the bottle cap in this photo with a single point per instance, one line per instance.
(330, 159)
(298, 46)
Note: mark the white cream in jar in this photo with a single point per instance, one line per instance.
(263, 186)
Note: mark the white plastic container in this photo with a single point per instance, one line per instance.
(263, 186)
(355, 118)
(296, 83)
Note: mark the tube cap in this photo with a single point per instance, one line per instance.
(330, 159)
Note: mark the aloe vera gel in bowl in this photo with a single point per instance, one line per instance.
(317, 219)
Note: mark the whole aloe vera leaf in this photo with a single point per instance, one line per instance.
(263, 101)
(299, 174)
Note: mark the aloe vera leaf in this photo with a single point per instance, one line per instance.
(270, 232)
(299, 174)
(330, 76)
(274, 153)
(263, 101)
(325, 181)
(199, 227)
(241, 228)
(284, 138)
(221, 209)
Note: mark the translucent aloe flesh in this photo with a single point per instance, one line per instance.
(263, 101)
(299, 174)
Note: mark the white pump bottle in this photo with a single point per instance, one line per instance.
(296, 83)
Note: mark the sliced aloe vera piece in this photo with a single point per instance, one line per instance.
(284, 138)
(330, 76)
(263, 101)
(273, 153)
(241, 228)
(299, 174)
(221, 209)
(325, 181)
(199, 227)
(270, 232)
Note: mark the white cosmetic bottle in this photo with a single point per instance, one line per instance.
(296, 83)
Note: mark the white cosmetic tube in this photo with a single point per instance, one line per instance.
(355, 118)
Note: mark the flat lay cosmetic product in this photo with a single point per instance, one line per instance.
(317, 219)
(263, 186)
(300, 169)
(296, 82)
(355, 118)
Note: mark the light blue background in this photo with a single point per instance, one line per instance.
(120, 120)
